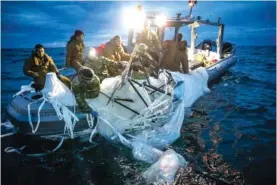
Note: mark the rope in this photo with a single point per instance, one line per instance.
(94, 131)
(19, 150)
(30, 115)
(89, 120)
(8, 134)
(122, 139)
(24, 89)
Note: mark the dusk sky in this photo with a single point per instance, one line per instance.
(24, 24)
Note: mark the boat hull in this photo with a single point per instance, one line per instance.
(218, 69)
(17, 112)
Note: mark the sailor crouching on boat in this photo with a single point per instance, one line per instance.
(144, 65)
(103, 66)
(38, 65)
(114, 51)
(75, 51)
(151, 39)
(85, 86)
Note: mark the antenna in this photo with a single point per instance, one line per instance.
(191, 5)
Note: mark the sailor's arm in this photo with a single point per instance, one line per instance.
(185, 63)
(27, 69)
(124, 56)
(105, 60)
(52, 66)
(80, 99)
(108, 52)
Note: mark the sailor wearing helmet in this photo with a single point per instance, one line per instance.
(85, 86)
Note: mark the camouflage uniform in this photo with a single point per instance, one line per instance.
(104, 67)
(114, 52)
(144, 65)
(74, 54)
(41, 66)
(85, 89)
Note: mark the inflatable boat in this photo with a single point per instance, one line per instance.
(27, 104)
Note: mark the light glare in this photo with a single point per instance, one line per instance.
(161, 20)
(134, 19)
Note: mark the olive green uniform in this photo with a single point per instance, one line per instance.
(74, 54)
(104, 67)
(85, 90)
(41, 66)
(114, 52)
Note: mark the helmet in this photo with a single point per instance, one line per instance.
(141, 48)
(85, 74)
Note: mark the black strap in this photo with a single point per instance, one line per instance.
(120, 103)
(137, 92)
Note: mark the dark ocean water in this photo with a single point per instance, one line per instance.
(237, 122)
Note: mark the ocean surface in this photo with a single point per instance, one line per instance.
(235, 122)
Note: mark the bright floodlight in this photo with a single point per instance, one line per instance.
(133, 18)
(160, 20)
(92, 53)
(191, 4)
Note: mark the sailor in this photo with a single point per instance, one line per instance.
(38, 65)
(179, 37)
(144, 65)
(151, 39)
(113, 50)
(175, 55)
(85, 86)
(181, 57)
(75, 50)
(103, 66)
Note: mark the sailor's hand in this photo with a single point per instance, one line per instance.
(94, 114)
(35, 74)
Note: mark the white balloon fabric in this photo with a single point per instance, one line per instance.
(165, 169)
(54, 88)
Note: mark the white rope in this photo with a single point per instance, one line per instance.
(89, 120)
(122, 139)
(25, 88)
(19, 150)
(8, 134)
(30, 115)
(65, 114)
(94, 131)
